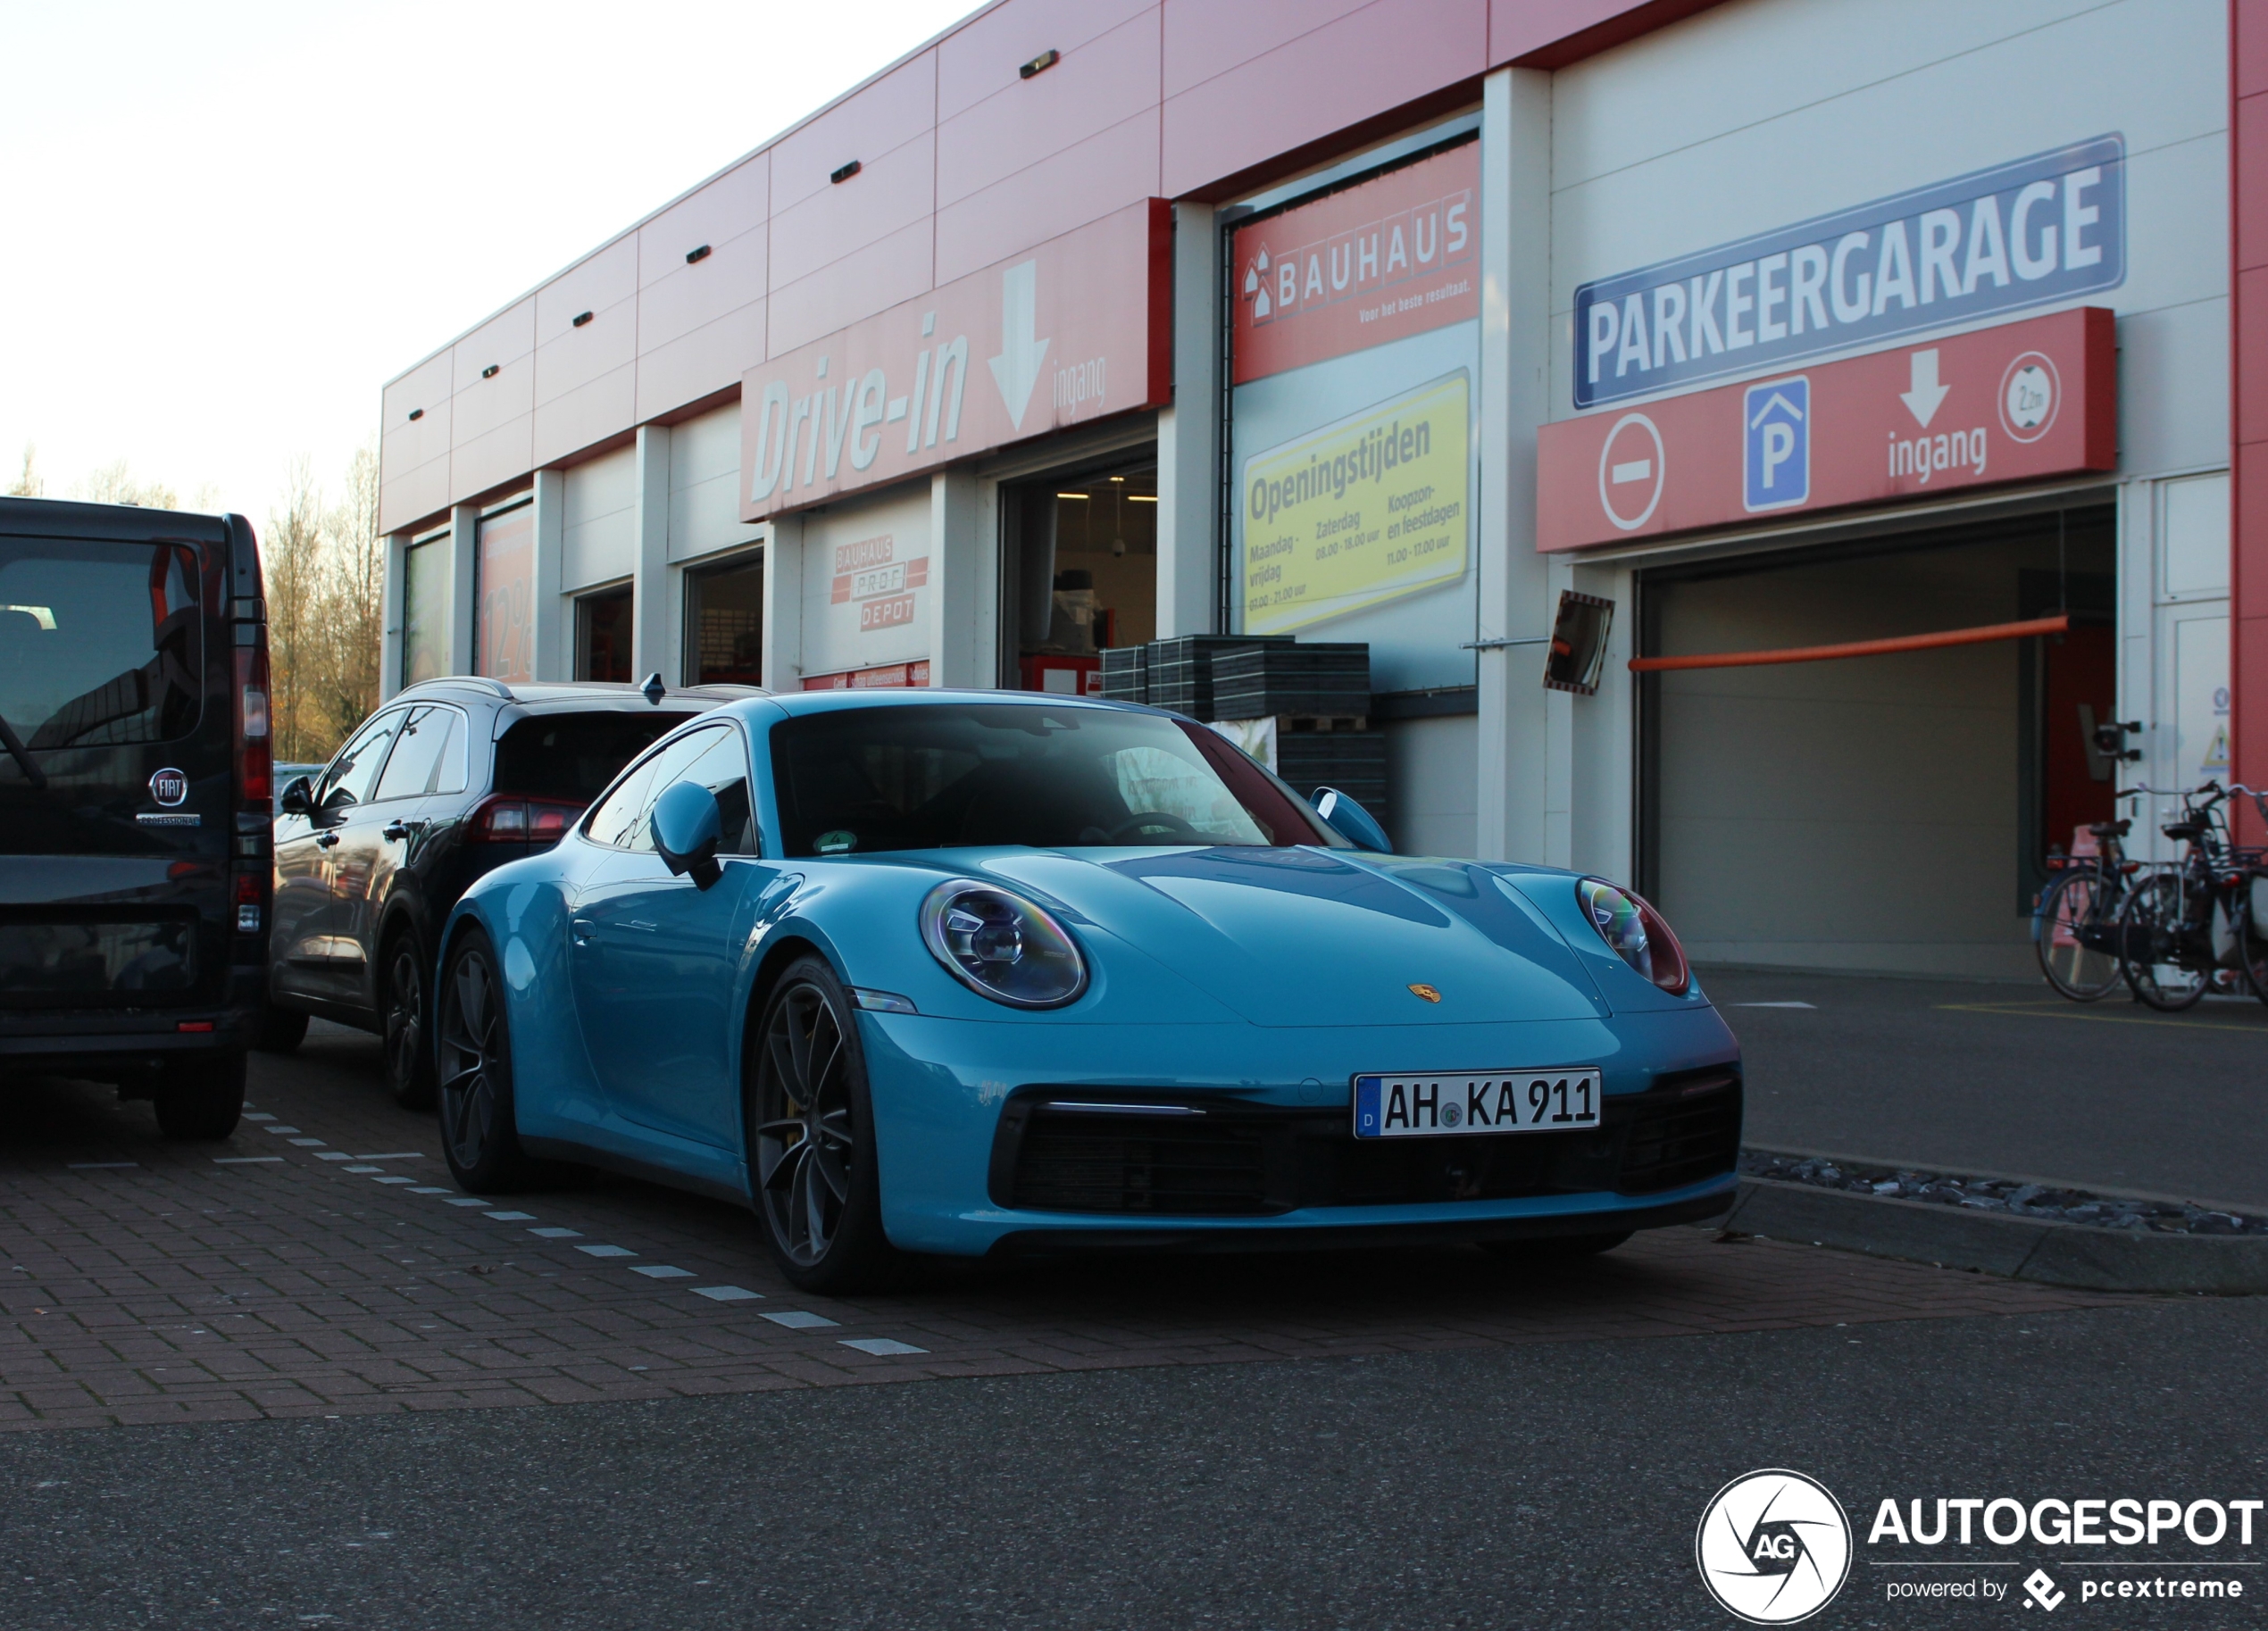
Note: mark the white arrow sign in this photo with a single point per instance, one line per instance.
(1016, 370)
(1921, 401)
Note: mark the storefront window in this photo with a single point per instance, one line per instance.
(724, 624)
(603, 635)
(425, 609)
(1080, 563)
(506, 567)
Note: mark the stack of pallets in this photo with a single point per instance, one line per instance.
(1312, 701)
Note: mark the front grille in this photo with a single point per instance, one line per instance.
(1245, 1160)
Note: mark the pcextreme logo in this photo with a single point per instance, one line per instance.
(1774, 1547)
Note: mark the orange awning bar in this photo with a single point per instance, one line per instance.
(1983, 635)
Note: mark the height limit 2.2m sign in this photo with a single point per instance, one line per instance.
(2021, 402)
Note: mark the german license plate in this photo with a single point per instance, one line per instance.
(1465, 1103)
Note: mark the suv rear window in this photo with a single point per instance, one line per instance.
(99, 642)
(572, 756)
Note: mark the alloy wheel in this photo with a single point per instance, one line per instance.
(404, 1014)
(806, 1141)
(471, 1059)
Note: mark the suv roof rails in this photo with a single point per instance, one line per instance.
(482, 682)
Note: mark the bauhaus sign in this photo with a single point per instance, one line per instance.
(1073, 329)
(2018, 401)
(2036, 231)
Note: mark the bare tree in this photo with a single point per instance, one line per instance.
(353, 617)
(29, 483)
(115, 484)
(293, 560)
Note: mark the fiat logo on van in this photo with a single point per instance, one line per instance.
(169, 787)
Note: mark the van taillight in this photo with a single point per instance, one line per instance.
(256, 759)
(516, 821)
(248, 902)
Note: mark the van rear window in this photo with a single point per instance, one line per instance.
(99, 642)
(572, 756)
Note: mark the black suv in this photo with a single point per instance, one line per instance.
(134, 802)
(450, 779)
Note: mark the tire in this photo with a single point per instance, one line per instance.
(280, 1030)
(810, 1145)
(479, 1135)
(2072, 905)
(1557, 1248)
(403, 1010)
(201, 1098)
(2255, 944)
(2152, 927)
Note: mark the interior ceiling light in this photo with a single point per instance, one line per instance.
(692, 255)
(582, 318)
(1082, 497)
(1041, 63)
(489, 372)
(845, 173)
(1141, 498)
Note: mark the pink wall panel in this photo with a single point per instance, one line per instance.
(590, 284)
(892, 192)
(982, 57)
(726, 208)
(1066, 189)
(873, 279)
(1562, 31)
(483, 405)
(878, 120)
(573, 359)
(417, 493)
(501, 455)
(585, 416)
(1389, 52)
(505, 337)
(1205, 38)
(701, 363)
(731, 275)
(1100, 85)
(426, 385)
(2249, 352)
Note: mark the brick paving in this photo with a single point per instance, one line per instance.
(267, 1277)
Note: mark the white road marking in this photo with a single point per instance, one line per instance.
(97, 1166)
(467, 1201)
(382, 1179)
(279, 1129)
(309, 1144)
(797, 1320)
(394, 1155)
(661, 1271)
(556, 1234)
(257, 1115)
(883, 1346)
(334, 1155)
(361, 1168)
(245, 1161)
(727, 1294)
(428, 1190)
(514, 1217)
(1775, 1005)
(606, 1250)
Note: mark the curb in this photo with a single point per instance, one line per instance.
(2050, 1252)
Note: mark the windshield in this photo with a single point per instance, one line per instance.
(98, 642)
(984, 774)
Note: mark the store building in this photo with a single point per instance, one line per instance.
(1762, 324)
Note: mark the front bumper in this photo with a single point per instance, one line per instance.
(946, 1094)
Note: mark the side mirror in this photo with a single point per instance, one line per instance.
(1351, 821)
(686, 825)
(298, 797)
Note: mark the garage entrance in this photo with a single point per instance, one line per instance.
(1890, 812)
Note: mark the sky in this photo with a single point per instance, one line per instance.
(223, 227)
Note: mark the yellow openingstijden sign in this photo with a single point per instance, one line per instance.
(1358, 512)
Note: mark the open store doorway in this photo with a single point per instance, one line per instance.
(1078, 572)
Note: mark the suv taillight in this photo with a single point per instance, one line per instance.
(255, 758)
(506, 820)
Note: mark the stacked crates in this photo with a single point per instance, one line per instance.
(1180, 671)
(1321, 680)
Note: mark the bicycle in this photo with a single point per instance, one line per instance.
(2074, 926)
(2190, 923)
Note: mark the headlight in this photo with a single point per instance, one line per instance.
(1002, 946)
(1637, 932)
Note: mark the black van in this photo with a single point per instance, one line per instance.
(135, 789)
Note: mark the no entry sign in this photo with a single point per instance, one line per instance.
(2016, 403)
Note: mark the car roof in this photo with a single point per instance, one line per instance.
(833, 701)
(125, 523)
(600, 694)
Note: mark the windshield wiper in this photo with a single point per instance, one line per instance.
(13, 743)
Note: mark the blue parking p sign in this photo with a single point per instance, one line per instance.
(1776, 443)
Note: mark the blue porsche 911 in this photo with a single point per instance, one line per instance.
(970, 972)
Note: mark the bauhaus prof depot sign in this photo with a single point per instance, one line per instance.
(2020, 401)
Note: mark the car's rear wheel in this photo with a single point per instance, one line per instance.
(811, 1139)
(480, 1136)
(402, 1010)
(279, 1030)
(1557, 1248)
(201, 1098)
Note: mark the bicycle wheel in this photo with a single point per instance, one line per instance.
(2151, 930)
(2255, 931)
(2071, 932)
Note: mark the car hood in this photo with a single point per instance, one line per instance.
(1308, 938)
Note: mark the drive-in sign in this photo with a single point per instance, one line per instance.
(2016, 403)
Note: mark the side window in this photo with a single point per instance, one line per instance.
(617, 815)
(351, 775)
(454, 774)
(417, 754)
(670, 768)
(722, 769)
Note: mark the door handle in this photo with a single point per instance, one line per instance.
(394, 832)
(324, 841)
(579, 930)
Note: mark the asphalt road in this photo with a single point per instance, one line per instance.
(1544, 1486)
(1970, 1076)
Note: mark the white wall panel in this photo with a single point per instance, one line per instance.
(598, 540)
(704, 480)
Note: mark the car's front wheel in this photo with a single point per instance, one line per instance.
(200, 1097)
(473, 1057)
(403, 1008)
(811, 1139)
